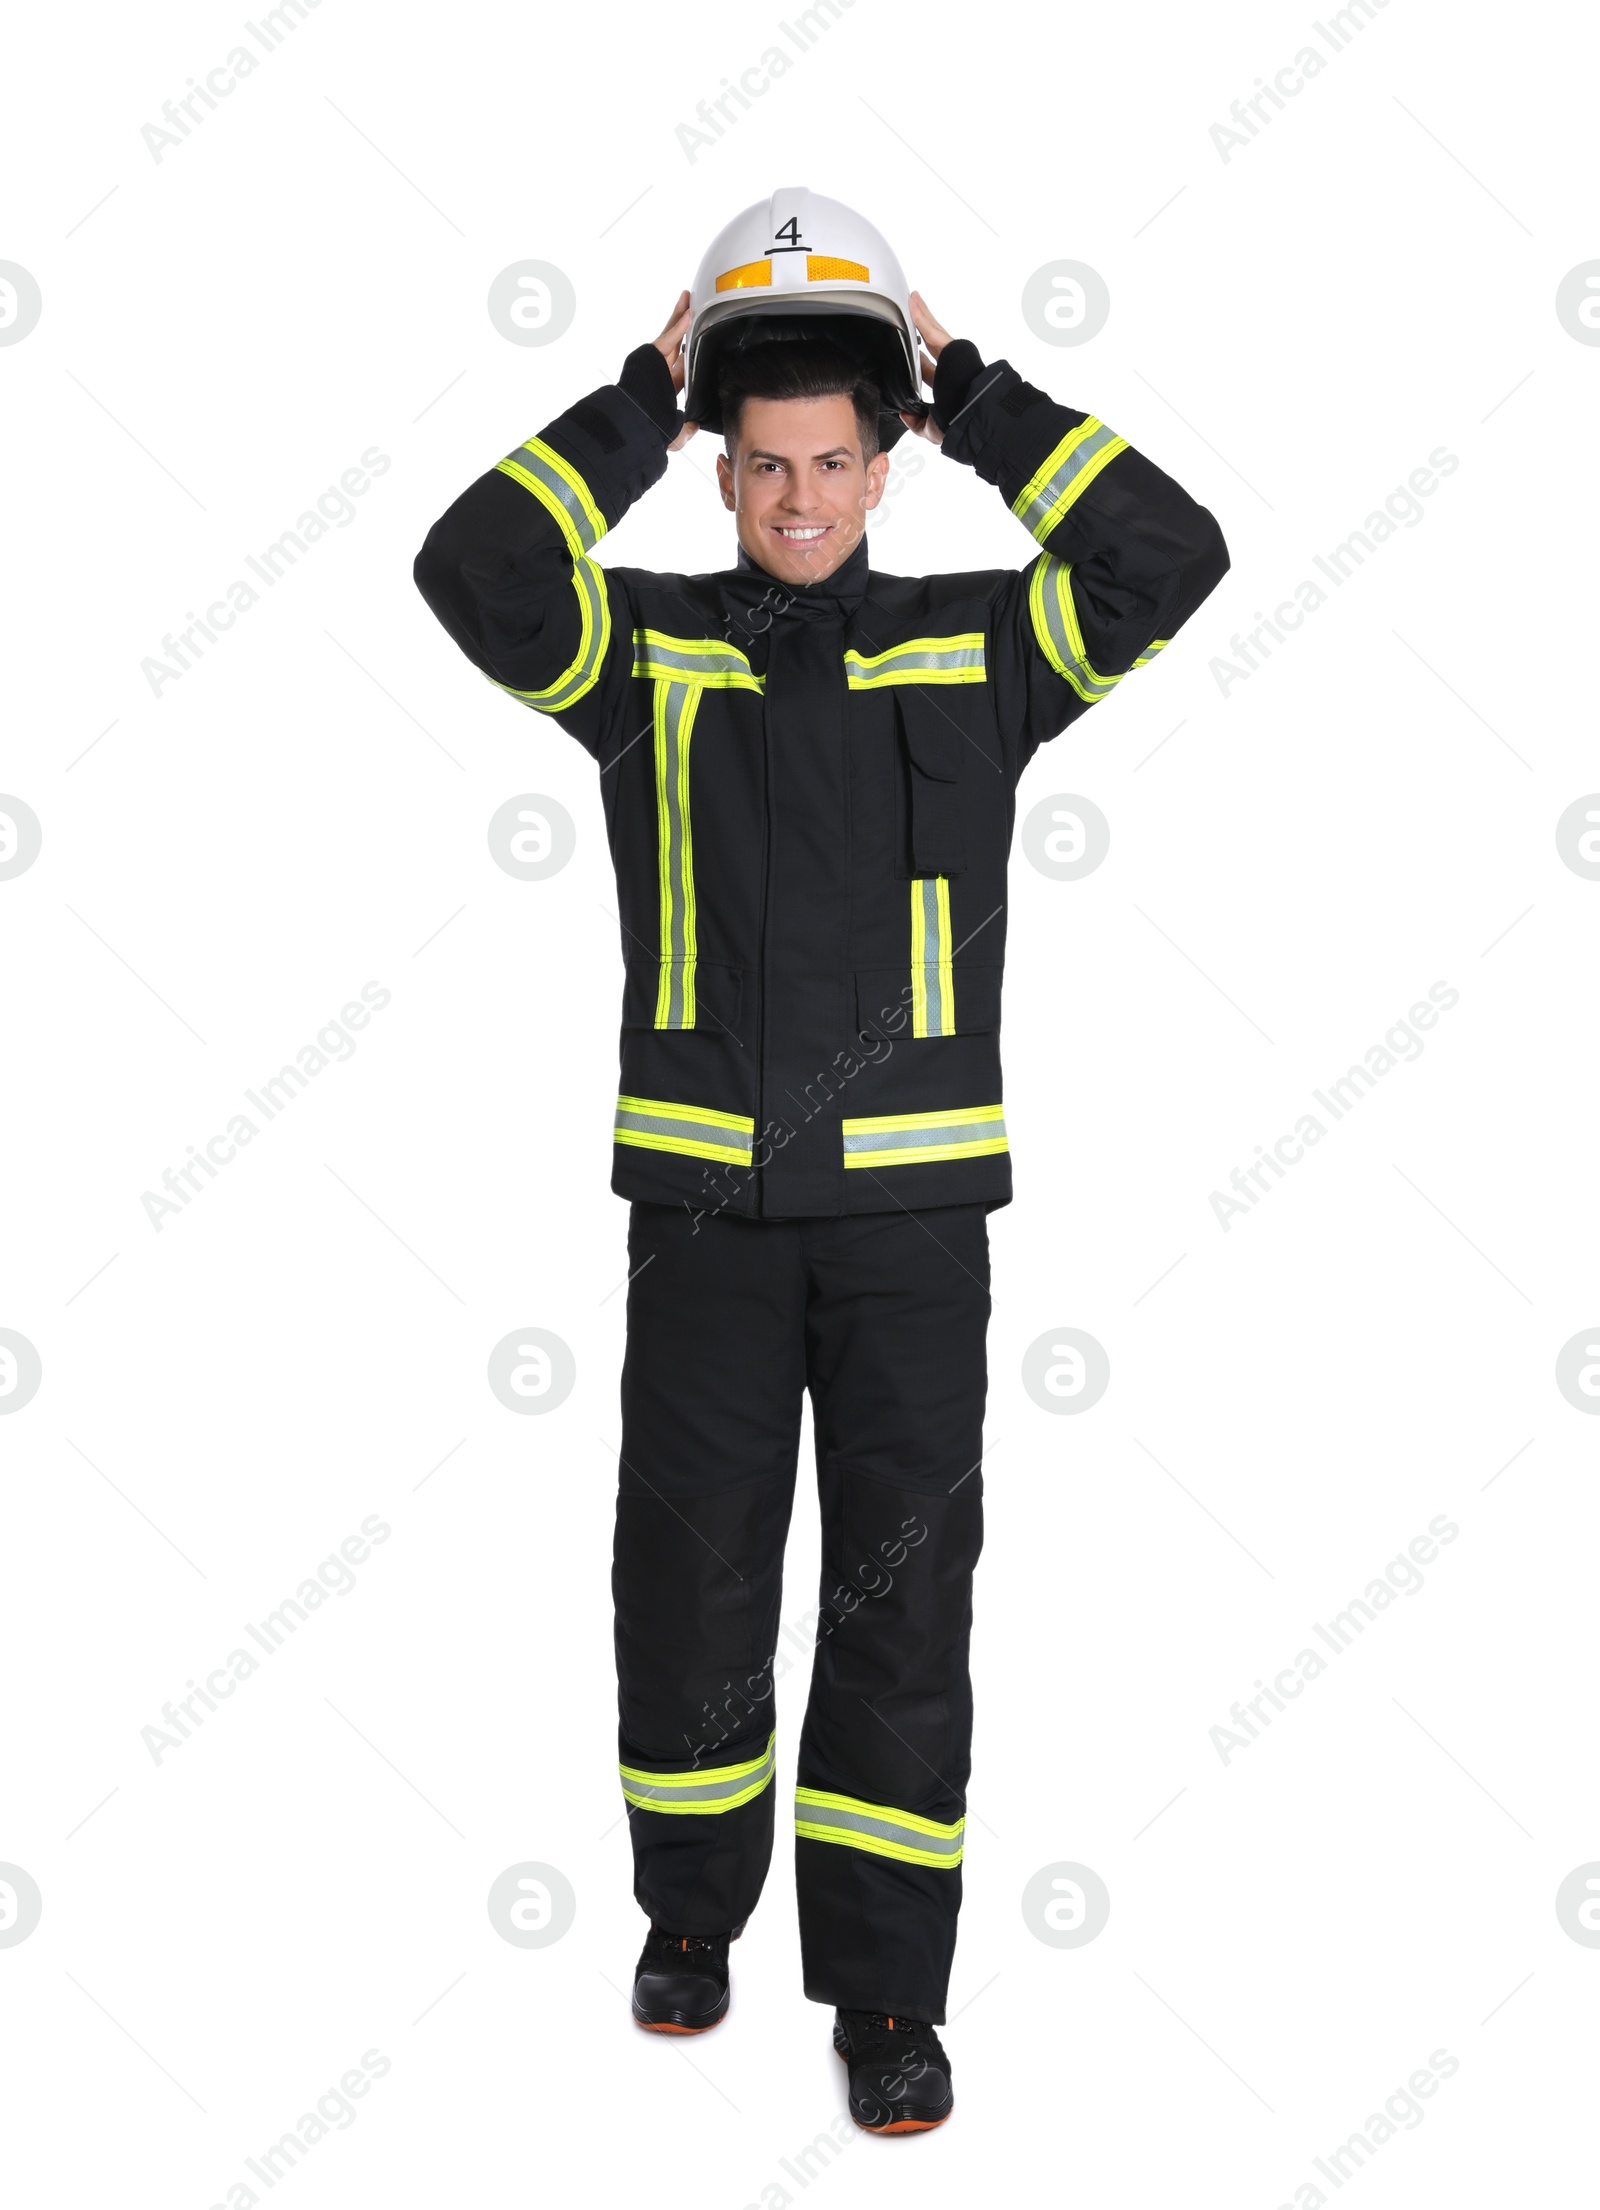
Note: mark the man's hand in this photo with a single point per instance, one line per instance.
(670, 346)
(935, 337)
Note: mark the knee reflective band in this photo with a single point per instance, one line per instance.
(712, 1788)
(675, 705)
(555, 483)
(650, 1124)
(704, 660)
(589, 581)
(915, 1139)
(921, 660)
(1066, 475)
(1055, 625)
(933, 997)
(877, 1828)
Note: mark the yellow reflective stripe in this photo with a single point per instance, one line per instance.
(712, 1115)
(958, 659)
(1066, 475)
(574, 682)
(932, 975)
(721, 679)
(675, 706)
(697, 1131)
(946, 1118)
(919, 970)
(878, 1828)
(1156, 644)
(663, 659)
(1056, 627)
(918, 1139)
(708, 1789)
(557, 485)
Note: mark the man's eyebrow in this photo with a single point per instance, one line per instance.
(759, 452)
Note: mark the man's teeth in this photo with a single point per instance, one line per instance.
(801, 533)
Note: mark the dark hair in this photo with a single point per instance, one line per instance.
(797, 368)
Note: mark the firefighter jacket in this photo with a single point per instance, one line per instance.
(809, 791)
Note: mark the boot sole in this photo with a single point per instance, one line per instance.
(671, 2026)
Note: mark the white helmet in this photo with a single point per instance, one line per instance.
(799, 265)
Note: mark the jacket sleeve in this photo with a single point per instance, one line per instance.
(508, 569)
(1126, 555)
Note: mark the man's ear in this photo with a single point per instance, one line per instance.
(877, 477)
(725, 482)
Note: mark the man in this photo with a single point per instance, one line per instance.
(809, 774)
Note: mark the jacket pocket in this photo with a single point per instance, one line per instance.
(684, 993)
(931, 742)
(889, 1002)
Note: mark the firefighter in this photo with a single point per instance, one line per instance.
(809, 774)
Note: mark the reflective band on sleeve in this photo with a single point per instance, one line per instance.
(1156, 644)
(1066, 475)
(916, 1139)
(589, 581)
(933, 994)
(919, 660)
(1055, 625)
(704, 660)
(877, 1828)
(675, 705)
(555, 483)
(711, 1788)
(698, 1131)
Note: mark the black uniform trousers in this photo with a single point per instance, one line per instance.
(882, 1317)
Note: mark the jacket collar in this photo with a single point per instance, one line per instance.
(838, 594)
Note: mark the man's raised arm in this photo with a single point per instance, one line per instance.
(507, 568)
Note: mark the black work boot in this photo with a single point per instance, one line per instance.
(899, 2073)
(680, 1984)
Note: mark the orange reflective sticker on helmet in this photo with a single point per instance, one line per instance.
(822, 268)
(753, 272)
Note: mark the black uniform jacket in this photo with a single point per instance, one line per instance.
(809, 793)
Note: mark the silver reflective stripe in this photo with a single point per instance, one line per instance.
(703, 660)
(589, 581)
(878, 1829)
(861, 1137)
(535, 464)
(654, 1125)
(933, 1010)
(675, 705)
(924, 659)
(718, 1789)
(1055, 625)
(1074, 464)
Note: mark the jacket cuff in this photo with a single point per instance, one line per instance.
(1005, 427)
(612, 448)
(955, 373)
(647, 380)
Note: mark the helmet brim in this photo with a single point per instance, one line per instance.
(861, 326)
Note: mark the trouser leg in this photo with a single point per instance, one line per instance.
(711, 1390)
(897, 1314)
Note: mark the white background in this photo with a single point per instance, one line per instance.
(1293, 330)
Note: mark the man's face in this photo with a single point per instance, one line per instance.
(798, 485)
